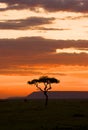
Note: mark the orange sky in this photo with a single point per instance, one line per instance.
(38, 38)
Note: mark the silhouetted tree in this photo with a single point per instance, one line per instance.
(47, 85)
(35, 82)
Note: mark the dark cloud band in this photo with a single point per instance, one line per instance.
(23, 24)
(49, 5)
(40, 51)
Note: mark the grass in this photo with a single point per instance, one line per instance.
(32, 115)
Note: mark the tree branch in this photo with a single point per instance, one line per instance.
(45, 86)
(49, 87)
(39, 88)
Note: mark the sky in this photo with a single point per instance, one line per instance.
(43, 38)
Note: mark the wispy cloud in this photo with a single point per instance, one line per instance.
(23, 24)
(81, 16)
(49, 29)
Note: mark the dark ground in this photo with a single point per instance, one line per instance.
(32, 115)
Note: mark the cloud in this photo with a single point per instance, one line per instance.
(39, 51)
(29, 55)
(25, 23)
(49, 29)
(72, 50)
(48, 5)
(81, 16)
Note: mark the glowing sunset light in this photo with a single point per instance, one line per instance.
(3, 5)
(43, 38)
(71, 50)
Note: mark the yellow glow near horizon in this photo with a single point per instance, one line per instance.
(72, 78)
(17, 85)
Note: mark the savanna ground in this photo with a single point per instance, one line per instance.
(32, 115)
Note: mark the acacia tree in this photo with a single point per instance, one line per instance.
(47, 85)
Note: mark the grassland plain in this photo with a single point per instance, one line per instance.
(33, 115)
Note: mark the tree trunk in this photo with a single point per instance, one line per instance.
(46, 100)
